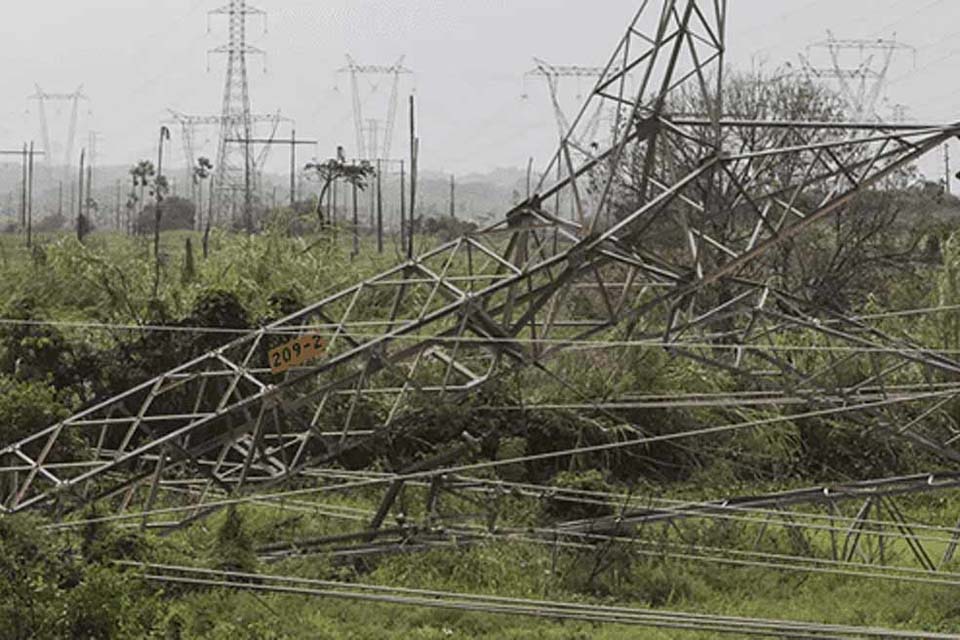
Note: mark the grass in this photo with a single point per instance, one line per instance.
(110, 279)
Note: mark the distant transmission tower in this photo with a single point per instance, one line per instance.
(188, 126)
(582, 138)
(553, 74)
(861, 85)
(370, 148)
(235, 166)
(42, 98)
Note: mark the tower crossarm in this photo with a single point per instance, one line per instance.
(43, 95)
(368, 148)
(182, 118)
(879, 44)
(230, 9)
(375, 69)
(565, 71)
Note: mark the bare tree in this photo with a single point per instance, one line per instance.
(839, 264)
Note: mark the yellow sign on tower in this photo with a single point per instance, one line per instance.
(296, 352)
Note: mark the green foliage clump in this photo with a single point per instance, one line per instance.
(233, 550)
(27, 407)
(583, 496)
(33, 351)
(47, 591)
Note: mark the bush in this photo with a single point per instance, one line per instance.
(578, 507)
(48, 592)
(55, 222)
(176, 214)
(27, 407)
(233, 550)
(447, 228)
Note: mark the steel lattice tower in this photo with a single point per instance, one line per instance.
(42, 97)
(371, 148)
(678, 254)
(861, 86)
(235, 163)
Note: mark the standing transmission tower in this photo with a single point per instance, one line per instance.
(42, 98)
(235, 163)
(862, 85)
(553, 74)
(584, 138)
(372, 149)
(188, 127)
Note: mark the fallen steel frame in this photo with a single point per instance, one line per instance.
(511, 297)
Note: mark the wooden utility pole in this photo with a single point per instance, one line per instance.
(209, 201)
(60, 197)
(356, 224)
(529, 175)
(332, 203)
(453, 196)
(87, 200)
(379, 207)
(293, 168)
(414, 159)
(403, 207)
(23, 189)
(946, 163)
(247, 193)
(372, 209)
(116, 211)
(80, 221)
(30, 199)
(26, 157)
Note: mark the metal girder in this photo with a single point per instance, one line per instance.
(520, 292)
(853, 529)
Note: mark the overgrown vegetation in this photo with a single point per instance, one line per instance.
(85, 320)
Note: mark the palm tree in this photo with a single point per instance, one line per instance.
(338, 169)
(201, 172)
(141, 173)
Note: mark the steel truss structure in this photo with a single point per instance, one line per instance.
(674, 246)
(371, 148)
(552, 75)
(862, 86)
(42, 97)
(189, 123)
(235, 164)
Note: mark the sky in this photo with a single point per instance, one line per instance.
(136, 58)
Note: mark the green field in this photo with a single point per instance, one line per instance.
(80, 321)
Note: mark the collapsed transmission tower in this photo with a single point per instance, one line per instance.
(235, 167)
(681, 224)
(368, 147)
(42, 97)
(862, 85)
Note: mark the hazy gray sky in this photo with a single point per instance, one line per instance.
(138, 57)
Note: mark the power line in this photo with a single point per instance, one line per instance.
(505, 605)
(902, 19)
(573, 343)
(549, 455)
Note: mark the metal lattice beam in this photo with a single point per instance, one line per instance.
(517, 294)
